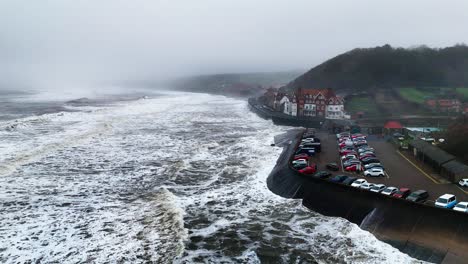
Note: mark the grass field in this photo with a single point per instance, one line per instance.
(364, 104)
(419, 96)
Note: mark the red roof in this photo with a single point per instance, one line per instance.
(393, 124)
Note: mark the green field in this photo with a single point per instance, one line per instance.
(364, 104)
(419, 96)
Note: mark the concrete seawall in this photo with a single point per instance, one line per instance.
(423, 232)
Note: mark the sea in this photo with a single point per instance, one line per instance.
(155, 177)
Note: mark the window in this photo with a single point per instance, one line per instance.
(442, 200)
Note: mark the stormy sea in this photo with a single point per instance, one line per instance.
(165, 178)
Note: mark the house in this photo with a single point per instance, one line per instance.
(322, 103)
(444, 105)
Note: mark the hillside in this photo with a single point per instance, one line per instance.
(237, 84)
(387, 67)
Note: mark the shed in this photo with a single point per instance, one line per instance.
(454, 170)
(430, 154)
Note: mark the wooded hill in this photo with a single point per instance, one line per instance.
(387, 67)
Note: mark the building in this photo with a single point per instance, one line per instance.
(444, 105)
(322, 103)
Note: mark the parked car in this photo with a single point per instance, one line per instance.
(366, 152)
(369, 155)
(389, 190)
(377, 188)
(333, 166)
(362, 149)
(309, 170)
(348, 151)
(351, 162)
(366, 185)
(343, 134)
(374, 172)
(402, 193)
(348, 156)
(301, 156)
(463, 182)
(370, 160)
(300, 161)
(358, 182)
(354, 167)
(446, 201)
(398, 135)
(322, 174)
(461, 207)
(299, 166)
(349, 180)
(339, 178)
(358, 143)
(418, 196)
(373, 165)
(356, 135)
(309, 151)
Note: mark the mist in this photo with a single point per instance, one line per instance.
(49, 44)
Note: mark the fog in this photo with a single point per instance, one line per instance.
(49, 43)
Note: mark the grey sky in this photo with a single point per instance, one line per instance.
(116, 39)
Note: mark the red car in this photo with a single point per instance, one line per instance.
(354, 167)
(402, 193)
(347, 151)
(312, 169)
(301, 156)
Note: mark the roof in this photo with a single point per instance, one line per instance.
(447, 196)
(434, 153)
(393, 124)
(456, 167)
(327, 93)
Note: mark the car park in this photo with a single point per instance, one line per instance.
(374, 172)
(418, 196)
(358, 182)
(332, 166)
(463, 182)
(354, 167)
(366, 185)
(322, 174)
(402, 193)
(446, 201)
(343, 134)
(360, 143)
(309, 170)
(377, 188)
(339, 178)
(461, 207)
(389, 190)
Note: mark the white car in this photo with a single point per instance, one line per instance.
(461, 207)
(374, 172)
(365, 149)
(358, 182)
(463, 182)
(366, 185)
(389, 190)
(349, 156)
(377, 188)
(300, 161)
(446, 201)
